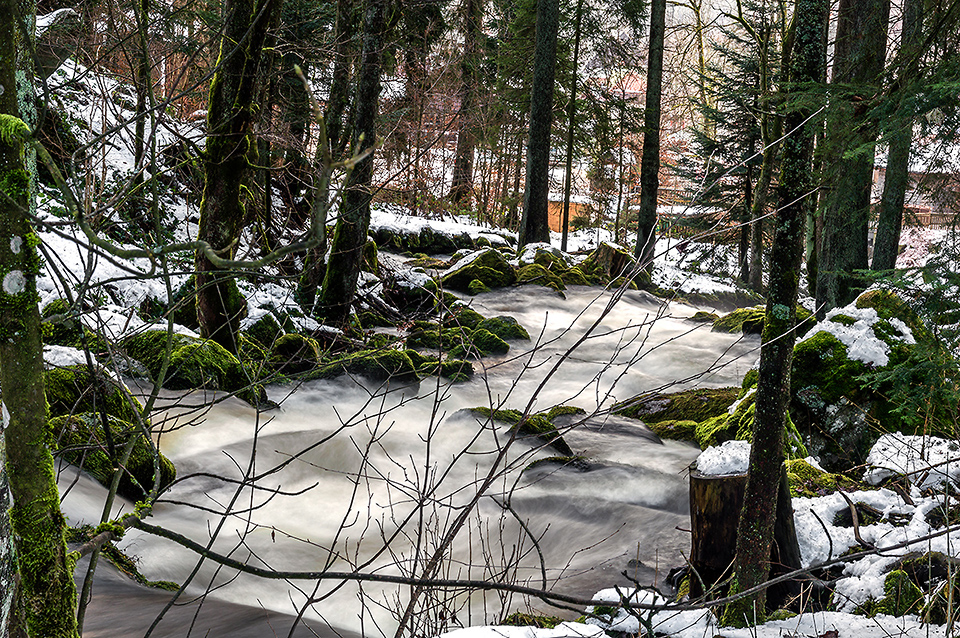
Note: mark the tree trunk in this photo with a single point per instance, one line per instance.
(230, 148)
(462, 184)
(858, 63)
(897, 178)
(340, 280)
(337, 129)
(571, 115)
(756, 527)
(650, 159)
(534, 226)
(46, 592)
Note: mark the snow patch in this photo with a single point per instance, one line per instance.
(861, 341)
(928, 461)
(733, 457)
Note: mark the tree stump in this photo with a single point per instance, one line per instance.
(715, 504)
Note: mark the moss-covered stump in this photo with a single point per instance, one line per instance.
(488, 266)
(482, 343)
(537, 274)
(606, 263)
(73, 390)
(194, 363)
(294, 354)
(66, 330)
(505, 327)
(80, 440)
(697, 405)
(808, 482)
(380, 365)
(539, 425)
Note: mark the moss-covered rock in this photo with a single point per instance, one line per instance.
(702, 316)
(79, 439)
(739, 426)
(488, 266)
(697, 405)
(461, 315)
(505, 327)
(477, 287)
(607, 262)
(482, 343)
(750, 321)
(380, 365)
(808, 482)
(682, 430)
(369, 258)
(521, 619)
(74, 390)
(900, 595)
(294, 354)
(574, 277)
(539, 425)
(66, 330)
(537, 274)
(194, 363)
(265, 330)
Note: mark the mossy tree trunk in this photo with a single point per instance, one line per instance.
(858, 63)
(534, 225)
(343, 270)
(230, 149)
(756, 527)
(650, 157)
(46, 594)
(461, 186)
(897, 178)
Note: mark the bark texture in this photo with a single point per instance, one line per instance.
(897, 179)
(462, 185)
(650, 158)
(46, 592)
(858, 62)
(756, 528)
(534, 225)
(343, 270)
(231, 148)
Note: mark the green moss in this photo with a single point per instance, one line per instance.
(117, 558)
(520, 619)
(74, 389)
(80, 440)
(377, 364)
(733, 321)
(265, 330)
(574, 277)
(675, 430)
(294, 354)
(564, 410)
(462, 315)
(821, 372)
(702, 316)
(483, 343)
(900, 595)
(739, 426)
(477, 286)
(889, 305)
(539, 425)
(67, 331)
(456, 370)
(698, 405)
(781, 614)
(808, 482)
(194, 363)
(537, 274)
(369, 258)
(489, 266)
(505, 327)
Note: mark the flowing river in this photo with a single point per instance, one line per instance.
(356, 477)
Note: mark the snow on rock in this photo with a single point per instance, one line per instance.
(861, 341)
(732, 457)
(396, 218)
(664, 623)
(62, 356)
(928, 460)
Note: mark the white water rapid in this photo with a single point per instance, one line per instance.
(371, 479)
